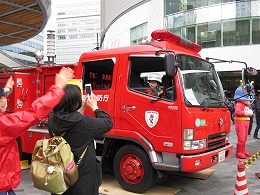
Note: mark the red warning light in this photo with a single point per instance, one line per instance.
(164, 35)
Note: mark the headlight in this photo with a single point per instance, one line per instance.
(227, 137)
(194, 145)
(188, 134)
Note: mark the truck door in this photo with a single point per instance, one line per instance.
(156, 118)
(99, 74)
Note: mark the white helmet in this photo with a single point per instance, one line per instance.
(154, 77)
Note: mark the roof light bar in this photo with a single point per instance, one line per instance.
(164, 35)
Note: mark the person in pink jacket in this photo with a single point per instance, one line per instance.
(242, 120)
(14, 124)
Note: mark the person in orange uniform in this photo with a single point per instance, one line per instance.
(242, 120)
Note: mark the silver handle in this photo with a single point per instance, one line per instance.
(128, 108)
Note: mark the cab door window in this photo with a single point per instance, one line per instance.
(98, 74)
(147, 76)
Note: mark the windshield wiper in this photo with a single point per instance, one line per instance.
(211, 98)
(206, 104)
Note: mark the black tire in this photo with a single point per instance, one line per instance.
(133, 169)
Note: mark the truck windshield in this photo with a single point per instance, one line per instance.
(201, 84)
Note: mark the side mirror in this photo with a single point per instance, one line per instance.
(252, 71)
(169, 65)
(246, 72)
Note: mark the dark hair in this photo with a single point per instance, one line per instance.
(71, 101)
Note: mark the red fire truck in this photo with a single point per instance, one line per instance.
(185, 129)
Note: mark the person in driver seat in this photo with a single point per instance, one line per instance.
(155, 81)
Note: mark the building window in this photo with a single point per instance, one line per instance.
(226, 1)
(72, 29)
(60, 37)
(73, 36)
(172, 6)
(138, 34)
(190, 33)
(61, 30)
(209, 35)
(187, 5)
(256, 31)
(87, 35)
(61, 25)
(177, 31)
(236, 32)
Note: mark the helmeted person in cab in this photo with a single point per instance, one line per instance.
(155, 81)
(242, 119)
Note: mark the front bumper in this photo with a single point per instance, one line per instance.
(199, 162)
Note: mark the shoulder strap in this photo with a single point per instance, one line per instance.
(82, 155)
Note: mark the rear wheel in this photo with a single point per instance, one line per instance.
(133, 169)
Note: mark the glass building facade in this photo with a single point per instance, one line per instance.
(22, 54)
(217, 24)
(214, 23)
(78, 29)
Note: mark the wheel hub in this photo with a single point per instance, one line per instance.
(132, 169)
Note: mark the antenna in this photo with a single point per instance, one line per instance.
(97, 43)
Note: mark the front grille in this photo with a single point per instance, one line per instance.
(216, 136)
(216, 143)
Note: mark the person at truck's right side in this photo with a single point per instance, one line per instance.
(154, 80)
(242, 120)
(14, 124)
(231, 110)
(252, 106)
(79, 131)
(257, 116)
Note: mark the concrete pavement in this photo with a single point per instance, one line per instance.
(221, 182)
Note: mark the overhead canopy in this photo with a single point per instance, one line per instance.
(22, 19)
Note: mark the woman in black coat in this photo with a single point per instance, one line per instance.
(68, 117)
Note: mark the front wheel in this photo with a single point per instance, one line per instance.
(133, 169)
